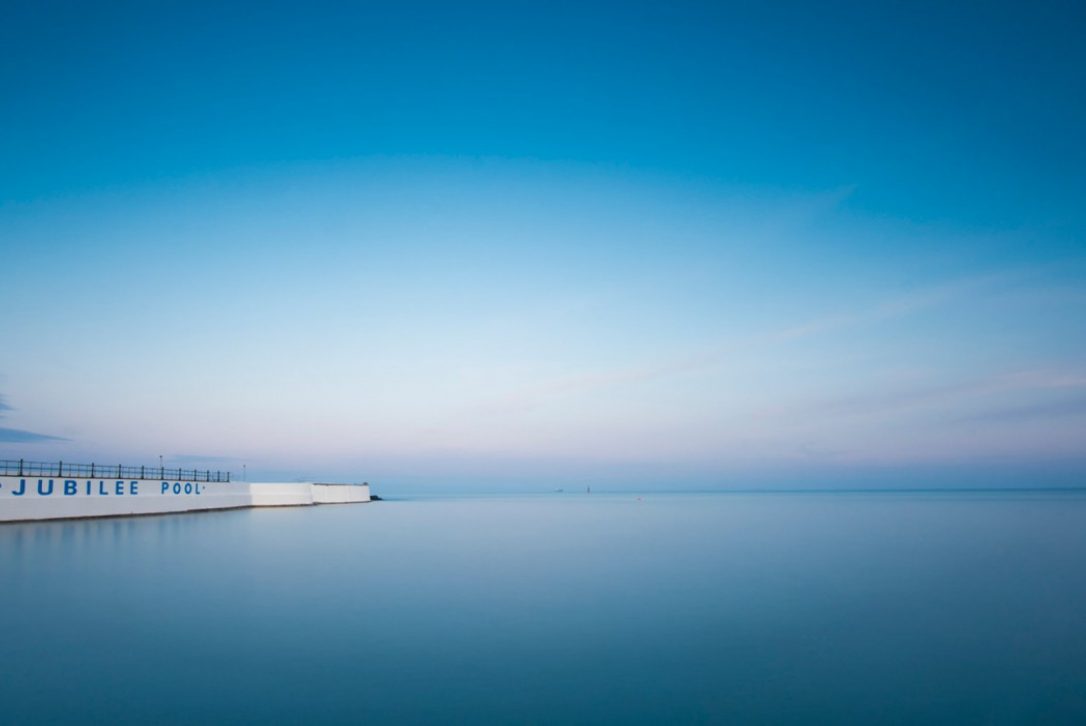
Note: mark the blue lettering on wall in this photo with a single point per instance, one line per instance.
(177, 488)
(71, 488)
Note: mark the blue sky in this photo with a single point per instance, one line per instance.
(686, 245)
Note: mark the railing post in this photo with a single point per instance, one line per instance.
(141, 473)
(60, 466)
(118, 471)
(92, 471)
(20, 467)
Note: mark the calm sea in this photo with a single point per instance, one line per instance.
(737, 608)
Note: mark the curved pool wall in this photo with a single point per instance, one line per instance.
(36, 498)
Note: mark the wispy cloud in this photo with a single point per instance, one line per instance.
(1068, 407)
(20, 436)
(711, 356)
(1026, 381)
(889, 309)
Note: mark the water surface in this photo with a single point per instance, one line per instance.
(770, 608)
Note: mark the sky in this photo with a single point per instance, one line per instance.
(514, 245)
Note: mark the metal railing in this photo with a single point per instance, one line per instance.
(20, 467)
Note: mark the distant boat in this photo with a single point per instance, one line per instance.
(588, 490)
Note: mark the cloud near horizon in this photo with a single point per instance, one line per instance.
(19, 436)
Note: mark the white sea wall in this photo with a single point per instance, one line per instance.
(25, 498)
(340, 493)
(36, 498)
(274, 494)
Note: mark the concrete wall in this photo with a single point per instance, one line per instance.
(26, 498)
(340, 493)
(55, 497)
(270, 494)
